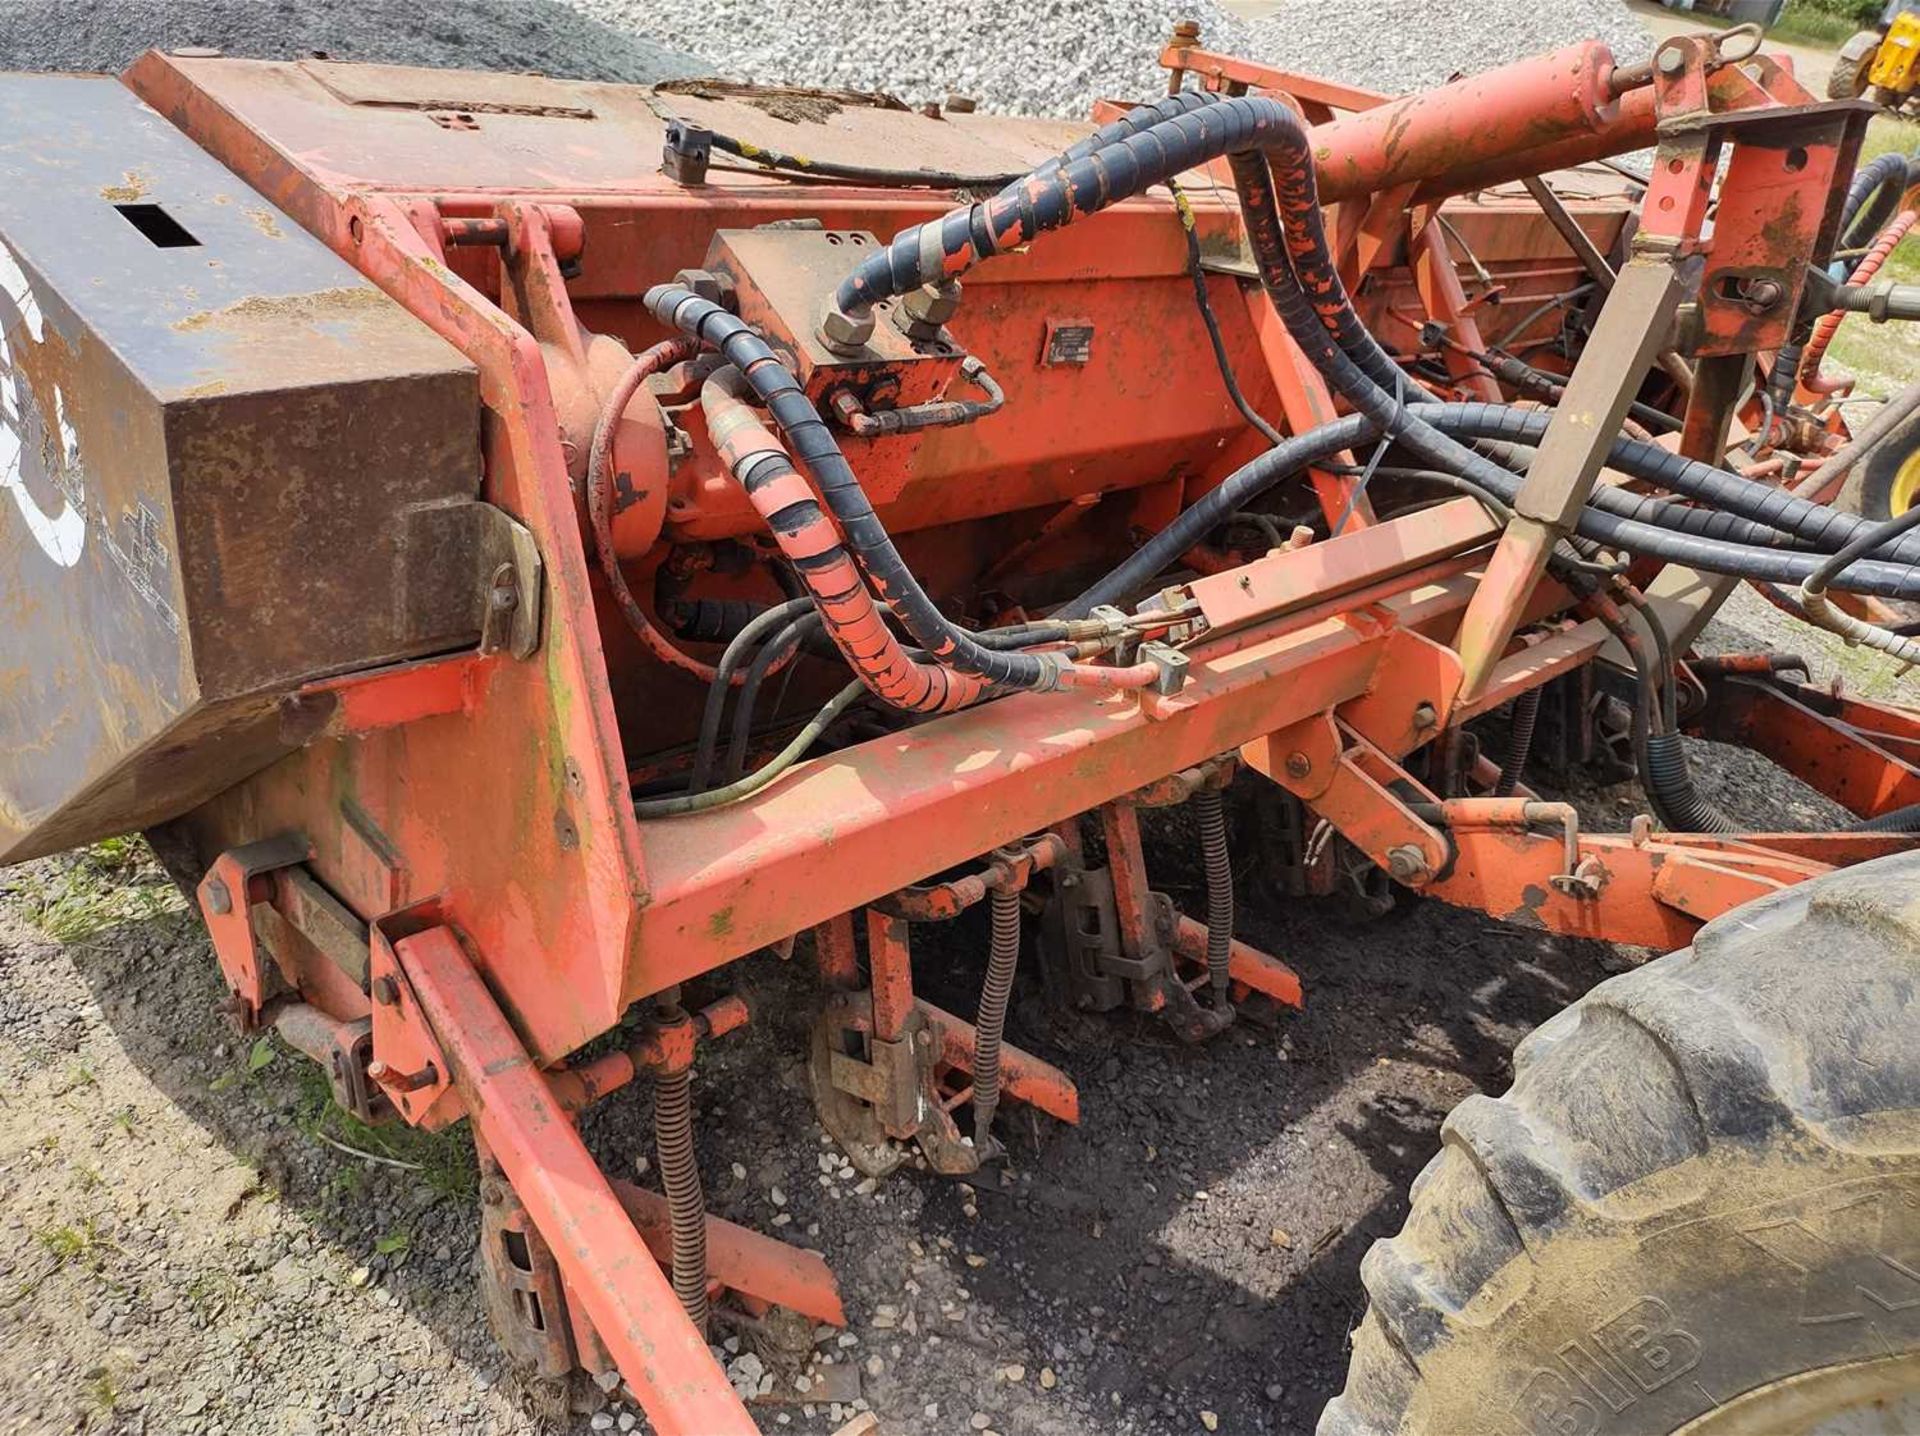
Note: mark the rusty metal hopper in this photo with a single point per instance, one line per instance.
(228, 466)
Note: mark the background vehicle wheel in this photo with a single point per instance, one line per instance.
(1890, 477)
(1848, 78)
(1698, 1208)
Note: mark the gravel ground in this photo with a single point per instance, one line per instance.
(539, 35)
(1054, 58)
(182, 1251)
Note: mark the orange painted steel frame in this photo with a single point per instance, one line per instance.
(476, 811)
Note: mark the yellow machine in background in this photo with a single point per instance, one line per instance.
(1883, 63)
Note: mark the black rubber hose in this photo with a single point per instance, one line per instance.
(813, 445)
(1304, 284)
(880, 177)
(990, 1022)
(1210, 816)
(776, 648)
(686, 1203)
(1063, 190)
(715, 710)
(708, 620)
(1895, 820)
(1680, 806)
(1204, 304)
(1526, 713)
(1873, 196)
(1827, 529)
(1320, 444)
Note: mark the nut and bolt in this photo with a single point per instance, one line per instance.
(710, 285)
(1425, 715)
(1670, 61)
(396, 1081)
(1407, 863)
(219, 899)
(1763, 294)
(1298, 765)
(386, 990)
(842, 333)
(1186, 32)
(924, 312)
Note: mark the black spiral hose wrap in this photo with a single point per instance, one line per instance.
(1680, 806)
(1210, 815)
(686, 1203)
(1526, 713)
(990, 1022)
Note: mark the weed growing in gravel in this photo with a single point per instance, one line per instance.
(442, 1162)
(102, 1394)
(71, 1243)
(78, 895)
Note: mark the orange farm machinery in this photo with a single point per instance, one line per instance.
(521, 546)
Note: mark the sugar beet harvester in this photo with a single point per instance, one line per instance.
(520, 546)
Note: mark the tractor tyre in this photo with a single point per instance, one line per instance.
(1697, 1209)
(1890, 474)
(1848, 78)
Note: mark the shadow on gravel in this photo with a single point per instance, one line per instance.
(1193, 1246)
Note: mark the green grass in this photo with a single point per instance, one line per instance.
(1805, 25)
(84, 893)
(443, 1161)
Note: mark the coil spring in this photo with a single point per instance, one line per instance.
(1526, 713)
(1003, 954)
(686, 1203)
(1210, 812)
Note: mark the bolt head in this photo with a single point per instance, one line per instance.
(1407, 863)
(1425, 715)
(386, 991)
(711, 286)
(933, 304)
(843, 334)
(219, 898)
(1670, 61)
(1298, 765)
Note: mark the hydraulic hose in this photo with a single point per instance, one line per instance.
(761, 467)
(1676, 802)
(1821, 610)
(782, 647)
(736, 651)
(1321, 444)
(811, 441)
(660, 357)
(990, 1022)
(1080, 182)
(1873, 196)
(1828, 324)
(1895, 820)
(1210, 816)
(686, 1203)
(684, 803)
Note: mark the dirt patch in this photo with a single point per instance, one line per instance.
(321, 304)
(183, 1251)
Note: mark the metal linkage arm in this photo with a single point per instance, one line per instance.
(601, 1254)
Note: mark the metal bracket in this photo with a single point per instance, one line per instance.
(883, 1092)
(227, 895)
(525, 1295)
